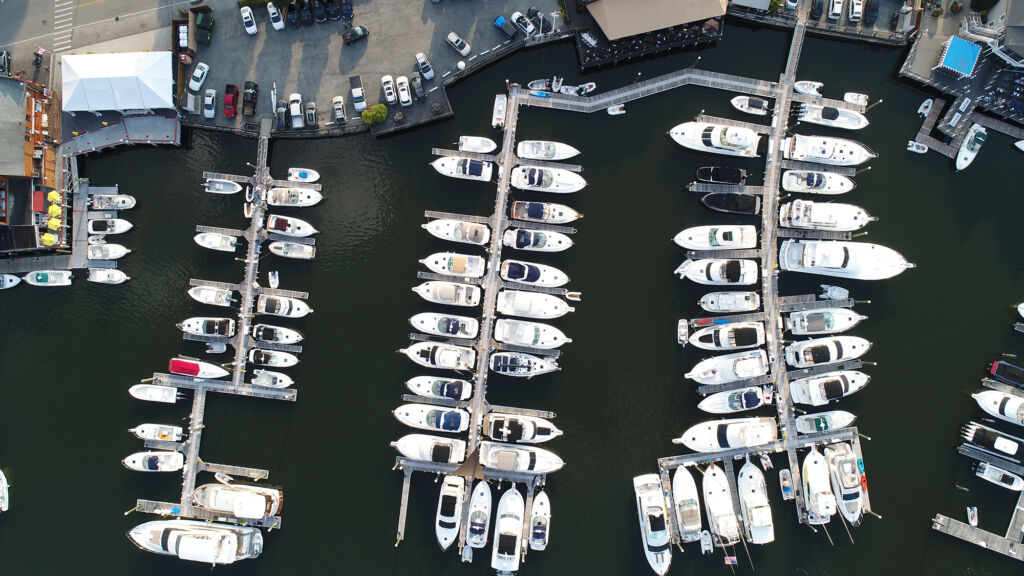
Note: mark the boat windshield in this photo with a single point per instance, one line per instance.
(655, 520)
(447, 389)
(468, 167)
(448, 505)
(539, 177)
(526, 238)
(448, 325)
(541, 149)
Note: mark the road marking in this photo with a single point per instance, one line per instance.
(58, 11)
(62, 37)
(63, 26)
(91, 3)
(59, 4)
(55, 22)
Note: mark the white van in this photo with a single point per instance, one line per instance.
(295, 111)
(835, 9)
(856, 9)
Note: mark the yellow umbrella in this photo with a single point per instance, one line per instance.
(53, 224)
(48, 239)
(55, 210)
(53, 196)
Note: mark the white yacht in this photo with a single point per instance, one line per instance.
(289, 226)
(857, 260)
(832, 117)
(271, 379)
(716, 139)
(1007, 407)
(435, 387)
(276, 334)
(284, 306)
(855, 98)
(479, 515)
(303, 175)
(750, 105)
(716, 435)
(545, 150)
(503, 427)
(722, 522)
(431, 448)
(730, 367)
(732, 336)
(459, 231)
(9, 281)
(5, 496)
(653, 516)
(530, 334)
(808, 87)
(295, 197)
(508, 532)
(544, 212)
(195, 368)
(465, 168)
(453, 264)
(210, 295)
(685, 495)
(208, 326)
(540, 522)
(451, 293)
(846, 481)
(108, 226)
(449, 510)
(239, 500)
(825, 150)
(477, 144)
(532, 274)
(106, 276)
(105, 251)
(822, 321)
(828, 387)
(215, 186)
(292, 250)
(518, 458)
(807, 353)
(498, 112)
(433, 418)
(521, 365)
(999, 477)
(157, 432)
(198, 541)
(531, 304)
(555, 180)
(727, 237)
(719, 271)
(112, 201)
(440, 355)
(824, 421)
(272, 358)
(816, 182)
(48, 278)
(535, 240)
(154, 393)
(809, 215)
(724, 302)
(155, 461)
(216, 241)
(969, 148)
(755, 512)
(818, 497)
(732, 401)
(446, 325)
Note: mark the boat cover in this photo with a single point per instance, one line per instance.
(835, 387)
(829, 113)
(535, 210)
(745, 336)
(730, 202)
(219, 327)
(477, 527)
(749, 399)
(526, 238)
(442, 420)
(448, 389)
(186, 367)
(475, 233)
(261, 357)
(540, 530)
(42, 277)
(815, 180)
(508, 363)
(151, 463)
(818, 354)
(723, 436)
(1008, 373)
(272, 305)
(757, 103)
(449, 325)
(819, 321)
(731, 271)
(206, 548)
(506, 429)
(471, 167)
(448, 505)
(440, 452)
(280, 224)
(506, 544)
(101, 225)
(525, 273)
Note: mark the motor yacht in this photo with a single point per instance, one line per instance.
(726, 237)
(822, 321)
(732, 336)
(825, 150)
(477, 144)
(818, 497)
(272, 358)
(999, 477)
(208, 326)
(292, 250)
(653, 516)
(544, 212)
(8, 281)
(451, 293)
(276, 334)
(994, 441)
(816, 182)
(446, 325)
(105, 251)
(846, 481)
(728, 302)
(808, 87)
(732, 401)
(518, 458)
(823, 421)
(284, 306)
(453, 264)
(195, 368)
(240, 500)
(716, 139)
(106, 276)
(687, 501)
(464, 168)
(48, 278)
(271, 379)
(817, 351)
(976, 136)
(199, 541)
(155, 461)
(750, 105)
(535, 240)
(215, 186)
(479, 515)
(732, 203)
(503, 427)
(722, 175)
(157, 432)
(808, 215)
(755, 511)
(529, 334)
(508, 532)
(828, 387)
(459, 231)
(540, 522)
(216, 241)
(857, 260)
(831, 117)
(717, 435)
(441, 355)
(719, 271)
(531, 304)
(722, 521)
(432, 418)
(108, 226)
(545, 150)
(1006, 407)
(112, 201)
(532, 274)
(449, 510)
(211, 295)
(730, 367)
(431, 448)
(521, 365)
(154, 393)
(554, 180)
(289, 226)
(294, 197)
(303, 175)
(435, 387)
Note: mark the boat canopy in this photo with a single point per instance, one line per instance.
(535, 210)
(526, 273)
(731, 271)
(745, 336)
(539, 177)
(744, 400)
(209, 549)
(279, 223)
(447, 388)
(506, 544)
(184, 367)
(835, 387)
(440, 452)
(757, 103)
(829, 113)
(526, 238)
(471, 167)
(819, 321)
(216, 327)
(445, 420)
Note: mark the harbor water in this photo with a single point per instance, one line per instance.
(70, 354)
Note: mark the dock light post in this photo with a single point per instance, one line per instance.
(695, 62)
(637, 77)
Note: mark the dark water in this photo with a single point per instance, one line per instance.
(69, 355)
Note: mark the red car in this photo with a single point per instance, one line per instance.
(230, 100)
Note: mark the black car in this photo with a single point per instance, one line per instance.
(870, 12)
(319, 12)
(417, 85)
(291, 15)
(281, 115)
(333, 10)
(346, 10)
(305, 12)
(5, 62)
(357, 33)
(817, 8)
(310, 110)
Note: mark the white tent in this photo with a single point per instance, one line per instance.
(125, 81)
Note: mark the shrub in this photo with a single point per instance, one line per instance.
(937, 12)
(374, 114)
(775, 7)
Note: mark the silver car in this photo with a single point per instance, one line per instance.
(210, 103)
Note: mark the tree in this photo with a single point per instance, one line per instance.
(374, 114)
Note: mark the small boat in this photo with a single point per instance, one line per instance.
(540, 84)
(1019, 145)
(540, 522)
(157, 432)
(459, 231)
(529, 334)
(432, 418)
(250, 194)
(972, 515)
(107, 276)
(531, 304)
(999, 477)
(832, 117)
(508, 532)
(449, 510)
(786, 484)
(722, 522)
(707, 546)
(292, 250)
(239, 500)
(766, 462)
(274, 279)
(502, 427)
(112, 201)
(276, 334)
(719, 271)
(556, 83)
(716, 139)
(732, 203)
(545, 150)
(846, 484)
(532, 274)
(581, 90)
(154, 393)
(970, 146)
(521, 365)
(451, 293)
(732, 401)
(685, 495)
(288, 226)
(434, 387)
(750, 105)
(8, 281)
(446, 325)
(726, 237)
(271, 379)
(823, 421)
(732, 336)
(247, 209)
(477, 144)
(725, 302)
(303, 175)
(441, 355)
(857, 260)
(829, 292)
(516, 458)
(730, 367)
(544, 212)
(917, 147)
(282, 306)
(199, 541)
(108, 226)
(105, 252)
(195, 368)
(856, 98)
(554, 180)
(810, 215)
(722, 175)
(210, 295)
(826, 150)
(48, 278)
(464, 168)
(431, 448)
(618, 109)
(535, 240)
(819, 500)
(155, 461)
(540, 93)
(479, 515)
(816, 182)
(1007, 407)
(755, 512)
(994, 441)
(295, 197)
(216, 241)
(825, 388)
(925, 108)
(214, 186)
(822, 321)
(817, 351)
(498, 111)
(272, 358)
(808, 87)
(207, 326)
(717, 435)
(453, 264)
(216, 347)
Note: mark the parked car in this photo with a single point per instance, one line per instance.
(424, 66)
(357, 33)
(319, 11)
(856, 10)
(198, 77)
(292, 15)
(417, 85)
(835, 9)
(5, 62)
(275, 16)
(338, 107)
(210, 103)
(248, 21)
(506, 27)
(333, 9)
(523, 23)
(817, 8)
(310, 110)
(250, 94)
(281, 115)
(305, 11)
(457, 43)
(388, 84)
(404, 97)
(358, 98)
(230, 100)
(295, 110)
(870, 12)
(346, 10)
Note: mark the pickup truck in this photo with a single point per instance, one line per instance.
(358, 98)
(505, 27)
(249, 95)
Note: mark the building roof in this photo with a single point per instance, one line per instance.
(755, 4)
(621, 18)
(959, 56)
(1015, 26)
(12, 127)
(122, 81)
(17, 238)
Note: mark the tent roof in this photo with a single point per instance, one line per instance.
(960, 56)
(621, 18)
(121, 81)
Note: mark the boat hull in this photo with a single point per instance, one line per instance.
(459, 231)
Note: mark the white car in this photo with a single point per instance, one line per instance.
(423, 65)
(457, 43)
(338, 106)
(210, 103)
(388, 83)
(275, 16)
(248, 21)
(295, 111)
(792, 4)
(835, 9)
(523, 23)
(856, 9)
(198, 77)
(358, 99)
(404, 97)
